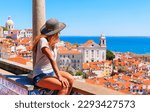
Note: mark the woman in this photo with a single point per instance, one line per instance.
(46, 72)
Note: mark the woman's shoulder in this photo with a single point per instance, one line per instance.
(43, 40)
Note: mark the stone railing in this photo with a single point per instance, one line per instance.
(14, 67)
(89, 89)
(21, 84)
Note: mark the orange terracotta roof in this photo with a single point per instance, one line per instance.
(127, 84)
(85, 66)
(111, 80)
(88, 43)
(115, 76)
(147, 82)
(127, 78)
(29, 48)
(18, 59)
(69, 52)
(28, 29)
(137, 74)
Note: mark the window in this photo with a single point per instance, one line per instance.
(92, 53)
(60, 62)
(103, 56)
(103, 42)
(72, 56)
(97, 53)
(87, 53)
(92, 60)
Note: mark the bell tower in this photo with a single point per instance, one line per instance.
(103, 40)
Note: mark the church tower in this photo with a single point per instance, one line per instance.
(9, 24)
(103, 40)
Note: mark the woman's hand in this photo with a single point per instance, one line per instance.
(64, 82)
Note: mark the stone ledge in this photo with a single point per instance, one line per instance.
(14, 67)
(89, 89)
(79, 87)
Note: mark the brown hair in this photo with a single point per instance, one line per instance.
(51, 39)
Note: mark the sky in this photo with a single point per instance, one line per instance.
(85, 17)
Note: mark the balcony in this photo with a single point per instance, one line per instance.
(19, 83)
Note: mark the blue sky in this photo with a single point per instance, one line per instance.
(85, 17)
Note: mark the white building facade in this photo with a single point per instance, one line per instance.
(88, 52)
(16, 34)
(69, 59)
(92, 52)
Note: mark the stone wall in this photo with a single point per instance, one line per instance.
(14, 67)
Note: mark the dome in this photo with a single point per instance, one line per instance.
(102, 36)
(9, 22)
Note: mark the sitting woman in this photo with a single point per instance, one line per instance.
(46, 72)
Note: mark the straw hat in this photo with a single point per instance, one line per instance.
(52, 26)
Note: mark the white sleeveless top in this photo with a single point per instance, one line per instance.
(42, 63)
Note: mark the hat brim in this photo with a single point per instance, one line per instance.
(48, 32)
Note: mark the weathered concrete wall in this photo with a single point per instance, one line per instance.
(14, 67)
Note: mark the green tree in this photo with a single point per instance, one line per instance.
(5, 29)
(80, 73)
(110, 55)
(76, 44)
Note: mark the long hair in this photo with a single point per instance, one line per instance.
(36, 40)
(52, 39)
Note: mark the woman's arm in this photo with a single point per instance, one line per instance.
(48, 53)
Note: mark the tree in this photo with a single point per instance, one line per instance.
(76, 44)
(110, 55)
(80, 73)
(5, 29)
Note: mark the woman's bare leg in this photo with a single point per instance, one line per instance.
(70, 79)
(52, 83)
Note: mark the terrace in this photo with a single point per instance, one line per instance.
(15, 76)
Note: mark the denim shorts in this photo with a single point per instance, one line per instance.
(37, 78)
